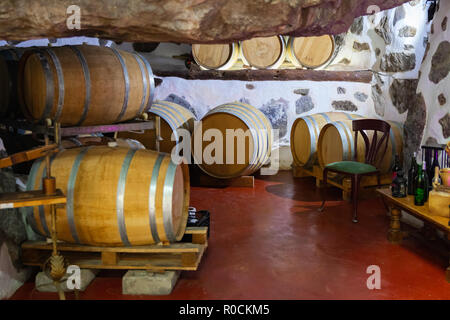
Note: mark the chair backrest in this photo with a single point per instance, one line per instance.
(374, 146)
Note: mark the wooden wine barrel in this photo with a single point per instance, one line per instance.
(241, 156)
(263, 53)
(115, 196)
(9, 61)
(173, 116)
(305, 134)
(311, 52)
(215, 56)
(84, 85)
(336, 143)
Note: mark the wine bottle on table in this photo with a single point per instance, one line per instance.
(412, 172)
(396, 168)
(419, 196)
(434, 165)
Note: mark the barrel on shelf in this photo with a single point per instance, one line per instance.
(305, 134)
(84, 85)
(115, 196)
(215, 56)
(246, 134)
(173, 116)
(263, 53)
(9, 61)
(311, 52)
(336, 143)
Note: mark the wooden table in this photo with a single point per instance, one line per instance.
(396, 205)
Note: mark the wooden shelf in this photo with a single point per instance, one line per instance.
(270, 74)
(30, 198)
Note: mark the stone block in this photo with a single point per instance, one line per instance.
(45, 284)
(142, 282)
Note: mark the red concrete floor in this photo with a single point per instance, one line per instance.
(270, 243)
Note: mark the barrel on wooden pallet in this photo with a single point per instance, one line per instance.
(263, 53)
(311, 52)
(115, 196)
(9, 61)
(305, 134)
(242, 141)
(173, 116)
(336, 143)
(215, 56)
(84, 85)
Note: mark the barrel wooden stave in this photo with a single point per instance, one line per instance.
(311, 52)
(215, 56)
(336, 143)
(151, 184)
(173, 116)
(305, 134)
(87, 85)
(263, 52)
(258, 144)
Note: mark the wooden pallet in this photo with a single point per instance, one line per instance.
(157, 258)
(368, 183)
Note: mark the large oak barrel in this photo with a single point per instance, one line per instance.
(305, 134)
(263, 53)
(311, 52)
(336, 143)
(115, 196)
(215, 56)
(173, 116)
(240, 156)
(84, 85)
(9, 61)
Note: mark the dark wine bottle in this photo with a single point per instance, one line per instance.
(435, 164)
(396, 168)
(412, 172)
(419, 197)
(425, 175)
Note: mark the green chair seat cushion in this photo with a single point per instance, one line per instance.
(352, 167)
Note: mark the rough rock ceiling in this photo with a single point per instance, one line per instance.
(189, 21)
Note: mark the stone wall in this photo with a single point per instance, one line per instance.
(434, 82)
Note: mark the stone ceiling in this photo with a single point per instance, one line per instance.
(188, 21)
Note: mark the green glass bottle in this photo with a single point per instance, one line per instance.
(421, 186)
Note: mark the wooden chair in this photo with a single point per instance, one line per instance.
(357, 169)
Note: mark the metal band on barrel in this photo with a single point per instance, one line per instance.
(152, 198)
(87, 82)
(127, 83)
(121, 196)
(144, 83)
(345, 147)
(30, 186)
(70, 194)
(313, 137)
(49, 84)
(167, 201)
(326, 117)
(181, 118)
(60, 75)
(152, 82)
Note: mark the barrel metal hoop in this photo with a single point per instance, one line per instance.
(71, 193)
(183, 120)
(326, 117)
(127, 82)
(121, 196)
(87, 82)
(244, 118)
(345, 147)
(49, 84)
(160, 112)
(144, 83)
(152, 197)
(60, 76)
(151, 79)
(167, 201)
(313, 138)
(30, 186)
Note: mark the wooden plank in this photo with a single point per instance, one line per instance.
(270, 75)
(30, 198)
(110, 258)
(420, 212)
(28, 155)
